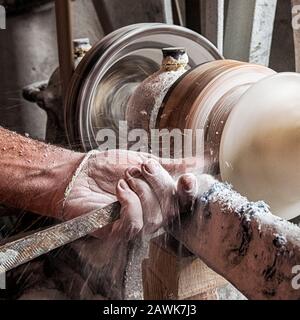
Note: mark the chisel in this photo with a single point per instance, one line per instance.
(18, 252)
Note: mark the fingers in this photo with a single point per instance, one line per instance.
(176, 167)
(163, 186)
(151, 208)
(187, 189)
(131, 215)
(149, 198)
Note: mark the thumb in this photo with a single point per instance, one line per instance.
(187, 189)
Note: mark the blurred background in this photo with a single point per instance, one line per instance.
(28, 46)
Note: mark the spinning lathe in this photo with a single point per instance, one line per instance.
(242, 117)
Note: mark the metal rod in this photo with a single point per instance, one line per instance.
(65, 43)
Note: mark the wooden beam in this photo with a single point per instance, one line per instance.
(207, 17)
(172, 273)
(193, 11)
(168, 11)
(256, 251)
(178, 7)
(249, 30)
(212, 22)
(65, 42)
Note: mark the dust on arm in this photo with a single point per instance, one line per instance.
(34, 175)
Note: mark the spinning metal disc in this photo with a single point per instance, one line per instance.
(110, 72)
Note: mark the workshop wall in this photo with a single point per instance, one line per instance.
(22, 64)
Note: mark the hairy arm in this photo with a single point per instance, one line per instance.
(34, 175)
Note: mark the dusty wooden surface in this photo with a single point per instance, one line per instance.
(171, 272)
(242, 241)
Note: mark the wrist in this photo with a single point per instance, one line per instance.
(61, 174)
(72, 192)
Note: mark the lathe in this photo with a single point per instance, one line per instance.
(247, 116)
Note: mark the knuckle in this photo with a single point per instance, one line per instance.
(130, 200)
(187, 182)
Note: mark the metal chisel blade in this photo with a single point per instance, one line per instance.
(16, 253)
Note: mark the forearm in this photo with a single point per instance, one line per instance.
(34, 175)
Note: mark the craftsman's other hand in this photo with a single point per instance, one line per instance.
(150, 198)
(95, 187)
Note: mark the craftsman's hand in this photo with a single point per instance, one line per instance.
(96, 186)
(151, 198)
